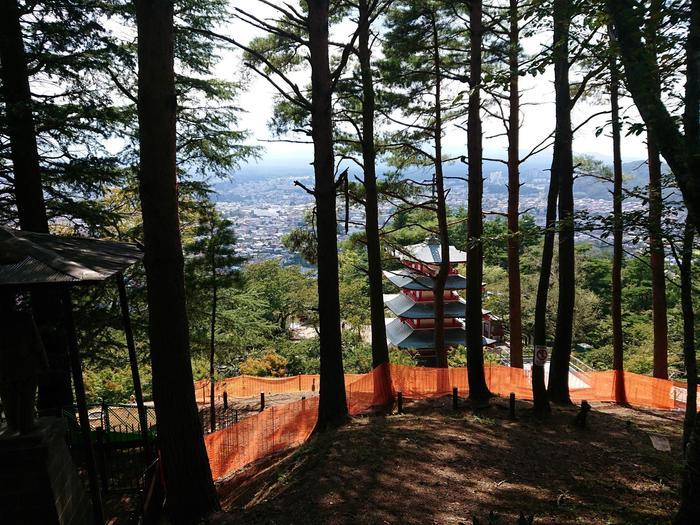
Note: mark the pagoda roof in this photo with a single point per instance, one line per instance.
(404, 306)
(402, 335)
(429, 253)
(412, 280)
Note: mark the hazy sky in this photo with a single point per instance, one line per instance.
(537, 101)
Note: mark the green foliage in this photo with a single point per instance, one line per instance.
(210, 266)
(287, 291)
(495, 237)
(303, 356)
(595, 271)
(82, 62)
(357, 354)
(302, 240)
(114, 384)
(354, 287)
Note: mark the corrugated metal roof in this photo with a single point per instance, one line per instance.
(29, 258)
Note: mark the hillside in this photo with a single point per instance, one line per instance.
(433, 465)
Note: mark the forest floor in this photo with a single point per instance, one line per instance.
(242, 407)
(433, 465)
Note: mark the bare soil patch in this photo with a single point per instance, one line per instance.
(435, 465)
(242, 407)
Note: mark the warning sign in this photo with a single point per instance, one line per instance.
(540, 355)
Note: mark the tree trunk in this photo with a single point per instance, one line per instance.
(681, 153)
(514, 293)
(616, 303)
(478, 390)
(539, 391)
(29, 197)
(380, 351)
(683, 156)
(689, 358)
(332, 408)
(55, 388)
(692, 129)
(656, 259)
(189, 486)
(562, 167)
(689, 511)
(212, 335)
(691, 115)
(441, 205)
(656, 243)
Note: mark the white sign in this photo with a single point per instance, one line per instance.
(540, 355)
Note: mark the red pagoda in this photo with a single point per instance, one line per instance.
(414, 306)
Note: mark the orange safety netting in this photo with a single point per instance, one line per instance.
(285, 426)
(275, 429)
(279, 427)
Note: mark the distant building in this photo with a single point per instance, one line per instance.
(414, 306)
(496, 177)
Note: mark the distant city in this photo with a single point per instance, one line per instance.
(264, 203)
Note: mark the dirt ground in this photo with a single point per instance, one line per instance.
(433, 465)
(243, 407)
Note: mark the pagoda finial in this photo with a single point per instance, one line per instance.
(432, 239)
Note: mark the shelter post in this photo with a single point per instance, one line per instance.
(136, 378)
(76, 368)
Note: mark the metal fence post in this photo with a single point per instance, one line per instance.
(105, 416)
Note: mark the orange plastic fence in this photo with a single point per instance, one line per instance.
(277, 428)
(636, 390)
(285, 426)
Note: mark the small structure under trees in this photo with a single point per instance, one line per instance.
(32, 262)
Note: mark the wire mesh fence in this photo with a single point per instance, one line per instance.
(285, 426)
(117, 442)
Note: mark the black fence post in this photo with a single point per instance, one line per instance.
(235, 416)
(399, 402)
(262, 401)
(511, 405)
(580, 419)
(225, 400)
(105, 417)
(455, 398)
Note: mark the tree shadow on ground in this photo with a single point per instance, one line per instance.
(435, 465)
